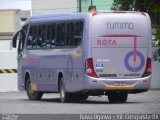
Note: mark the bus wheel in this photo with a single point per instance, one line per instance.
(83, 96)
(64, 96)
(123, 97)
(77, 97)
(117, 96)
(32, 95)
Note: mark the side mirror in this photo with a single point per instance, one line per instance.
(15, 38)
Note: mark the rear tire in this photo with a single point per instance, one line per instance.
(77, 97)
(64, 96)
(117, 96)
(83, 96)
(32, 95)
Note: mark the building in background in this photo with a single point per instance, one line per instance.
(10, 21)
(53, 6)
(100, 4)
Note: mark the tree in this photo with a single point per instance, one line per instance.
(123, 5)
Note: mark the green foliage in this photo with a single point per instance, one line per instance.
(157, 38)
(123, 5)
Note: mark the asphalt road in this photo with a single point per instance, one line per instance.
(18, 103)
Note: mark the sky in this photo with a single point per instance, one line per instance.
(15, 4)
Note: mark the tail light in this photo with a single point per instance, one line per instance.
(148, 69)
(143, 13)
(94, 13)
(89, 69)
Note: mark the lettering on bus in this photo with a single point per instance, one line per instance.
(120, 25)
(106, 42)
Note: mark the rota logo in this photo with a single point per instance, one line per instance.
(105, 42)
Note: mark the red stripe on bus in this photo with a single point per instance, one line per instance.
(120, 35)
(135, 46)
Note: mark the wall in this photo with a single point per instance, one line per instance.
(52, 6)
(10, 21)
(6, 21)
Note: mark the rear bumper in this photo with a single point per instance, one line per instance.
(111, 84)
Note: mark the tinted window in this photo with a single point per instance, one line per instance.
(58, 34)
(74, 33)
(24, 33)
(51, 35)
(61, 34)
(41, 39)
(34, 33)
(32, 36)
(78, 28)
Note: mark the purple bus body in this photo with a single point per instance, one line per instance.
(119, 45)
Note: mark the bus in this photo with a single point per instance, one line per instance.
(85, 54)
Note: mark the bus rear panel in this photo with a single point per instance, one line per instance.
(120, 56)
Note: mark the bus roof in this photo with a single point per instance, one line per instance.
(53, 15)
(74, 14)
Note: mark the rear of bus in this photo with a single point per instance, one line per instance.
(120, 60)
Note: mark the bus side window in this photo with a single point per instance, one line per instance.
(49, 36)
(40, 36)
(30, 38)
(34, 33)
(53, 36)
(61, 34)
(78, 28)
(44, 36)
(72, 35)
(68, 34)
(81, 28)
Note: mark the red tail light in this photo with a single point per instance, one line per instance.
(143, 13)
(94, 13)
(89, 69)
(148, 69)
